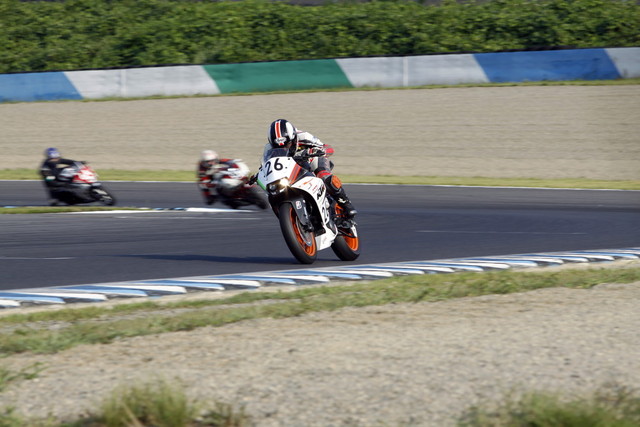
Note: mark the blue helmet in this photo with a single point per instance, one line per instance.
(52, 153)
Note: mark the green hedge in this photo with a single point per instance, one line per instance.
(80, 34)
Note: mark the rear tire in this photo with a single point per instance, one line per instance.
(347, 245)
(301, 243)
(346, 248)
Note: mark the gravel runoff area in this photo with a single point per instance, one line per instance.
(414, 364)
(403, 364)
(511, 132)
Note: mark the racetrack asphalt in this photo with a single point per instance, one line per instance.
(396, 223)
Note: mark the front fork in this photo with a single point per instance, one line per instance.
(299, 206)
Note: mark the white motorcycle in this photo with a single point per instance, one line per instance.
(310, 219)
(233, 189)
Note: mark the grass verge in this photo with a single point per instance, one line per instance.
(7, 376)
(159, 403)
(188, 176)
(612, 406)
(60, 209)
(164, 404)
(103, 325)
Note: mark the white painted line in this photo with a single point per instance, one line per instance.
(9, 303)
(34, 258)
(499, 266)
(368, 272)
(150, 288)
(314, 278)
(72, 295)
(428, 268)
(497, 232)
(232, 282)
(535, 259)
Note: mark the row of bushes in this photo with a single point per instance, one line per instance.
(80, 34)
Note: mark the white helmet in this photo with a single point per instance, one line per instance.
(209, 155)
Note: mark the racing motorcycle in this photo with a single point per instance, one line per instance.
(232, 187)
(310, 220)
(82, 186)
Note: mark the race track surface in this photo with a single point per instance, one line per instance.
(396, 223)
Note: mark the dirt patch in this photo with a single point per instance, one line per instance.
(402, 364)
(537, 132)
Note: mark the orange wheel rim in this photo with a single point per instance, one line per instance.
(308, 249)
(352, 242)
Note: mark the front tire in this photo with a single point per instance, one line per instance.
(257, 197)
(104, 196)
(301, 243)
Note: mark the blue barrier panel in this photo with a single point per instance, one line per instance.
(583, 64)
(36, 87)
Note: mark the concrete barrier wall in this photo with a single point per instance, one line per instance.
(556, 65)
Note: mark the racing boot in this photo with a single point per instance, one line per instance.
(346, 205)
(334, 187)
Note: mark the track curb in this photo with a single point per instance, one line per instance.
(101, 292)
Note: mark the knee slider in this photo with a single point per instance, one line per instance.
(333, 183)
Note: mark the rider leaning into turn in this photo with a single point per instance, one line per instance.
(50, 170)
(208, 173)
(282, 134)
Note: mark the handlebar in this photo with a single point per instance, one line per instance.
(307, 156)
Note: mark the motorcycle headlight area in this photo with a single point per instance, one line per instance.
(278, 186)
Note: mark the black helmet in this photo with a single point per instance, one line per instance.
(281, 134)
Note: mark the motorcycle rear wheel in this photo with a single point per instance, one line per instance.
(347, 245)
(301, 243)
(347, 248)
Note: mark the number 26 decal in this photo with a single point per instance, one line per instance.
(275, 164)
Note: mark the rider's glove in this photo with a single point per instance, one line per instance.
(252, 179)
(318, 151)
(309, 140)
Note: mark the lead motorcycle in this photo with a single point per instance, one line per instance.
(310, 220)
(82, 186)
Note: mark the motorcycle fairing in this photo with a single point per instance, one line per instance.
(306, 192)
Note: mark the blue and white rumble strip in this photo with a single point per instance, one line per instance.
(312, 276)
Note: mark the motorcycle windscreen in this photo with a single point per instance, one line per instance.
(275, 152)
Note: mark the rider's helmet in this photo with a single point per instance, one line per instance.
(282, 134)
(52, 153)
(209, 156)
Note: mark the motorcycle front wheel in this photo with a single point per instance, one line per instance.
(103, 196)
(258, 198)
(301, 243)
